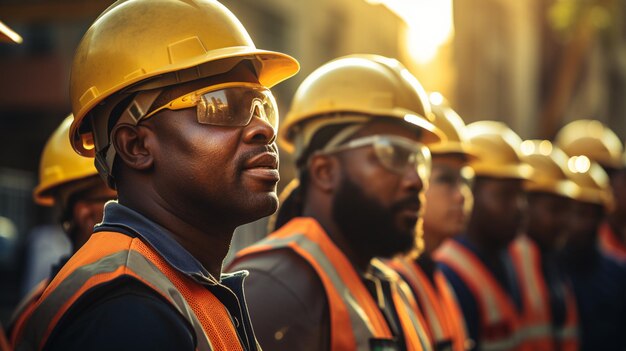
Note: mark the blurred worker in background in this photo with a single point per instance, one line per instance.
(600, 144)
(448, 205)
(545, 290)
(71, 184)
(476, 263)
(181, 121)
(599, 281)
(358, 125)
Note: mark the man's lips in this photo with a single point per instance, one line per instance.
(263, 166)
(265, 160)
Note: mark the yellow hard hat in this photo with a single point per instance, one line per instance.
(549, 173)
(369, 85)
(60, 165)
(138, 45)
(592, 139)
(498, 150)
(452, 126)
(593, 182)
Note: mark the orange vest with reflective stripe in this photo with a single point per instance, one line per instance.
(109, 255)
(355, 317)
(437, 302)
(610, 244)
(537, 316)
(500, 325)
(26, 306)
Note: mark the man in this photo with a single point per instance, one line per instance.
(545, 288)
(357, 124)
(177, 105)
(600, 144)
(598, 280)
(475, 263)
(448, 200)
(70, 183)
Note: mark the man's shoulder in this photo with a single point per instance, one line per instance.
(281, 264)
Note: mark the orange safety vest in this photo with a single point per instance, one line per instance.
(500, 326)
(540, 334)
(110, 255)
(437, 302)
(610, 244)
(355, 317)
(25, 307)
(4, 343)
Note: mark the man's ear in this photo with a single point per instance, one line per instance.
(133, 145)
(325, 172)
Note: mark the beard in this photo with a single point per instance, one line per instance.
(370, 227)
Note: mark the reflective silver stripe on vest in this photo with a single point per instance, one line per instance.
(528, 279)
(458, 257)
(507, 344)
(433, 319)
(564, 333)
(421, 331)
(404, 291)
(39, 321)
(361, 325)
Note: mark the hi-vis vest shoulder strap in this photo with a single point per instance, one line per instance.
(437, 302)
(354, 315)
(609, 243)
(414, 326)
(109, 255)
(537, 319)
(500, 326)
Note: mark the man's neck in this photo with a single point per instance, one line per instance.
(360, 260)
(206, 240)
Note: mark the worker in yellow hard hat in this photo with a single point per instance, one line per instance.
(448, 205)
(358, 126)
(475, 263)
(598, 280)
(70, 183)
(600, 144)
(546, 290)
(172, 99)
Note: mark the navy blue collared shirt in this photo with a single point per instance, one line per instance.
(125, 314)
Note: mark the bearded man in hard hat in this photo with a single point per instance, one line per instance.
(448, 204)
(600, 144)
(71, 185)
(176, 108)
(598, 280)
(475, 263)
(544, 285)
(358, 125)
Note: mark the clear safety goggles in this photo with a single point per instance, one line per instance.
(397, 154)
(229, 104)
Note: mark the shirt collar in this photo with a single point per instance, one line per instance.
(119, 217)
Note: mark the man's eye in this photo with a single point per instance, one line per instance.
(446, 179)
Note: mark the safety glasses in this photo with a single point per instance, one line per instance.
(394, 153)
(229, 104)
